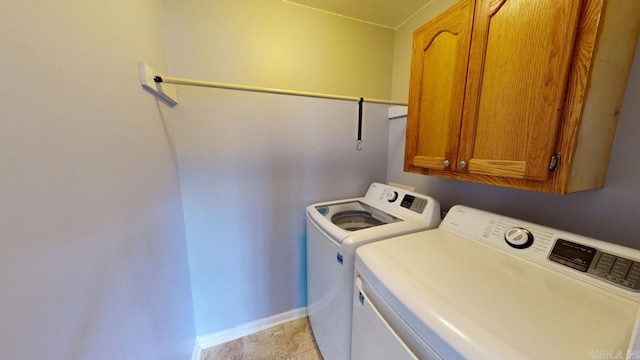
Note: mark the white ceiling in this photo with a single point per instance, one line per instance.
(389, 13)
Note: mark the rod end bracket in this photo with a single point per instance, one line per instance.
(153, 83)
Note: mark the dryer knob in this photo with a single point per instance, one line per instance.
(393, 196)
(518, 238)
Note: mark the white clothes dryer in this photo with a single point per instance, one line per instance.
(485, 286)
(335, 230)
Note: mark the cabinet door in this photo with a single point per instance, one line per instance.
(518, 66)
(438, 76)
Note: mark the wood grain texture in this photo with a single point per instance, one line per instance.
(602, 53)
(429, 162)
(436, 95)
(518, 66)
(580, 72)
(597, 86)
(532, 185)
(506, 168)
(438, 106)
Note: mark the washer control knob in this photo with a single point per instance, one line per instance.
(393, 196)
(518, 238)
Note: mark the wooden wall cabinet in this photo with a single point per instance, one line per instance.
(520, 93)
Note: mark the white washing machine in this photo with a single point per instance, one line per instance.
(334, 230)
(485, 286)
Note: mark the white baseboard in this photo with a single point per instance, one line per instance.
(197, 350)
(207, 341)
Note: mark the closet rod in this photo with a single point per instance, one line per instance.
(213, 84)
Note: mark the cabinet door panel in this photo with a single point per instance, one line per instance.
(520, 56)
(438, 76)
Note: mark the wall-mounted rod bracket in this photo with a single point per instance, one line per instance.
(167, 92)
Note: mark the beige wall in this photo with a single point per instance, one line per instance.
(251, 162)
(93, 255)
(278, 44)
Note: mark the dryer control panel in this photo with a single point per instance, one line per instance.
(608, 267)
(594, 261)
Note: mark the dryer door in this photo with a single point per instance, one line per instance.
(369, 327)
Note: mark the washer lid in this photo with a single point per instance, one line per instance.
(355, 215)
(353, 220)
(484, 303)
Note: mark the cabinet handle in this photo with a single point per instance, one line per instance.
(446, 163)
(463, 164)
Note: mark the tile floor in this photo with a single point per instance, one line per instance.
(290, 341)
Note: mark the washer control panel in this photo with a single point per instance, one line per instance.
(404, 203)
(411, 202)
(614, 269)
(399, 198)
(414, 203)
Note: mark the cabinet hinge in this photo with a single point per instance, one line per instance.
(554, 162)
